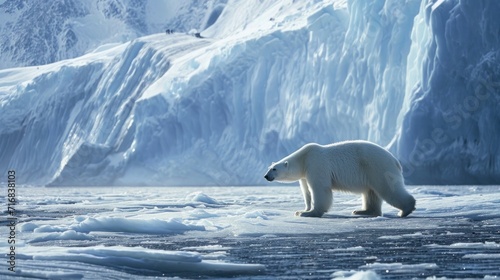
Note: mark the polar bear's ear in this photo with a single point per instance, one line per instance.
(286, 163)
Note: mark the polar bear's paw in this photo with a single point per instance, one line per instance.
(308, 214)
(403, 214)
(373, 213)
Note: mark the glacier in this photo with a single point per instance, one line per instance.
(449, 134)
(41, 32)
(419, 77)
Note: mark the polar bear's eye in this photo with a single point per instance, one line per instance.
(274, 169)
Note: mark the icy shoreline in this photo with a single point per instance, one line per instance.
(250, 232)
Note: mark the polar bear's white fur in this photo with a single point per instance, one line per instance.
(351, 166)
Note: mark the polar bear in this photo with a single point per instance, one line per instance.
(350, 166)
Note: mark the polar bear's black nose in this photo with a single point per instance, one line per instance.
(269, 178)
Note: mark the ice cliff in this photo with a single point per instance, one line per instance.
(450, 134)
(420, 77)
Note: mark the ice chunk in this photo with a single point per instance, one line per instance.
(400, 266)
(131, 225)
(356, 275)
(66, 235)
(202, 198)
(138, 258)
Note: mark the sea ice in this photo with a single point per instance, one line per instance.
(249, 231)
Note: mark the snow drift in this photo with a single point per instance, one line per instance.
(172, 109)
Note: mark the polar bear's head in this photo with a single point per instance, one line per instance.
(281, 172)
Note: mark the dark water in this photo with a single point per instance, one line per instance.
(319, 256)
(440, 252)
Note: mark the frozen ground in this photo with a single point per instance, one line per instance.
(248, 233)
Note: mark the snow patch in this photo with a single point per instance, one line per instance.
(356, 275)
(400, 267)
(481, 256)
(461, 245)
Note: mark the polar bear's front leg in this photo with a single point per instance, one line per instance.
(304, 187)
(321, 195)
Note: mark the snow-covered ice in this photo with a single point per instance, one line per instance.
(249, 233)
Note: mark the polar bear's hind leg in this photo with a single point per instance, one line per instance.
(409, 207)
(397, 196)
(372, 205)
